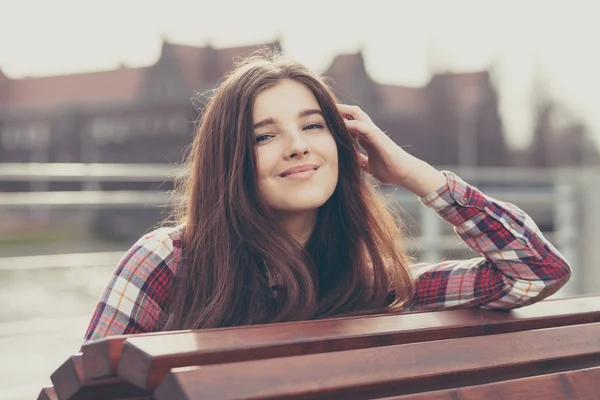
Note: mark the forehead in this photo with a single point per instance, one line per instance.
(285, 99)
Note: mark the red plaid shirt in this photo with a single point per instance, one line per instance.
(517, 267)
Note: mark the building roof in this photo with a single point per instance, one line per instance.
(396, 98)
(120, 85)
(188, 58)
(201, 67)
(466, 88)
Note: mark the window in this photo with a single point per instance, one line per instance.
(26, 135)
(109, 130)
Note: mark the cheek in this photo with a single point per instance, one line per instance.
(331, 152)
(265, 163)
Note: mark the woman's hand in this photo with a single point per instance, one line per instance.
(387, 161)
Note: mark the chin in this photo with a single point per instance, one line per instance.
(298, 204)
(298, 198)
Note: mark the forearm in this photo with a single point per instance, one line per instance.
(421, 178)
(519, 266)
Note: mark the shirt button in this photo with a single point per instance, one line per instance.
(465, 198)
(512, 225)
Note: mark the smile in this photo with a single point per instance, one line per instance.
(300, 175)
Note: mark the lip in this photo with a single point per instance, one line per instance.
(298, 169)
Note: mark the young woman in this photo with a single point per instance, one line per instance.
(281, 222)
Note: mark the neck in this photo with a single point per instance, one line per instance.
(299, 225)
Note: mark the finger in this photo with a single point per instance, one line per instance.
(363, 133)
(353, 113)
(359, 128)
(363, 161)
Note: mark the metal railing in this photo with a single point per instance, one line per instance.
(63, 172)
(548, 192)
(154, 172)
(85, 198)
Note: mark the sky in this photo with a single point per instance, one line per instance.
(528, 42)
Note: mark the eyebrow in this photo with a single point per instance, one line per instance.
(301, 114)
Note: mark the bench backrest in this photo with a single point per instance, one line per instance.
(582, 384)
(47, 393)
(392, 370)
(167, 363)
(145, 360)
(69, 382)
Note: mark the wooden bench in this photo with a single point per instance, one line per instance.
(579, 384)
(48, 393)
(70, 382)
(443, 354)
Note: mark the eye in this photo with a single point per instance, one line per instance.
(313, 126)
(262, 138)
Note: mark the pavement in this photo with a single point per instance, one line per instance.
(44, 315)
(43, 320)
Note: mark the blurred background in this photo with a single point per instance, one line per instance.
(96, 110)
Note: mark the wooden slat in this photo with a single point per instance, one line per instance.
(145, 361)
(583, 384)
(68, 377)
(100, 357)
(47, 393)
(392, 370)
(70, 383)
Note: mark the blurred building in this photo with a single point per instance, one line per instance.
(144, 115)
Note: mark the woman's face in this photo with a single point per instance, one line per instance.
(296, 152)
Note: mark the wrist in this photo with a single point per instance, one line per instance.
(421, 178)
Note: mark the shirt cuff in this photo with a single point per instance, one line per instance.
(455, 192)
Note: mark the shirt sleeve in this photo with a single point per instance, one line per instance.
(517, 267)
(133, 299)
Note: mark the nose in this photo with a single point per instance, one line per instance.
(297, 146)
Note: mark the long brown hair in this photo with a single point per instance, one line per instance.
(352, 263)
